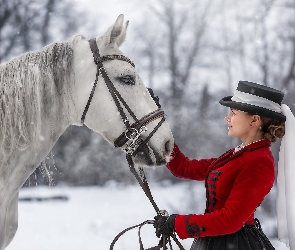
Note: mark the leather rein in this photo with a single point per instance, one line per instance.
(130, 141)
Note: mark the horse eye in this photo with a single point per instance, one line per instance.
(128, 79)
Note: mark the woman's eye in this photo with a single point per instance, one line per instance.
(128, 79)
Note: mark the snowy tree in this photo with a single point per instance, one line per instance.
(28, 25)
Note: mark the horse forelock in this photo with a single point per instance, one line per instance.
(32, 87)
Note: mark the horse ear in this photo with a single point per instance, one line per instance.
(122, 36)
(118, 32)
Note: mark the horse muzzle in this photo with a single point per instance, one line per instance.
(132, 140)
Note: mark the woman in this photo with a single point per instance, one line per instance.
(236, 182)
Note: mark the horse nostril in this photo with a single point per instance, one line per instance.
(167, 147)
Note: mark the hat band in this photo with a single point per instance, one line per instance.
(256, 101)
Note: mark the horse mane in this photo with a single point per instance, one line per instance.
(29, 86)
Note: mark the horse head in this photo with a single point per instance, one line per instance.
(112, 100)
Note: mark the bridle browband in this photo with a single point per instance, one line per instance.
(129, 141)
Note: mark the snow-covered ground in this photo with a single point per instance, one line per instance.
(93, 216)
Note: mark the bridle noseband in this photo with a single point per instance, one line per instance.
(132, 137)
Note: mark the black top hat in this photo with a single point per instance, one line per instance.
(256, 99)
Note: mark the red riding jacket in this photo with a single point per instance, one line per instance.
(236, 184)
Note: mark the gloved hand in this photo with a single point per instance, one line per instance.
(164, 224)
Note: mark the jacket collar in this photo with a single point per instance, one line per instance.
(258, 144)
(229, 155)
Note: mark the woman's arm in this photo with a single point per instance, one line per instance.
(183, 167)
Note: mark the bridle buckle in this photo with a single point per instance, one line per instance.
(134, 140)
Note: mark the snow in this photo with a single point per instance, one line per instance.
(93, 216)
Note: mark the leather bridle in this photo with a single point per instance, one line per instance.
(130, 141)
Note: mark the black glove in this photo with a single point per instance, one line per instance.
(164, 224)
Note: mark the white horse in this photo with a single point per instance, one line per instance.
(43, 92)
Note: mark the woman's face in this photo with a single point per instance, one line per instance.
(239, 124)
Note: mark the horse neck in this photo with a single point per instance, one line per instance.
(36, 97)
(85, 73)
(49, 124)
(54, 92)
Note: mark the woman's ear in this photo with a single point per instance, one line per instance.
(256, 121)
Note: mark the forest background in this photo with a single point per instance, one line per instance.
(192, 53)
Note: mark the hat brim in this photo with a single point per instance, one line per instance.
(252, 109)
